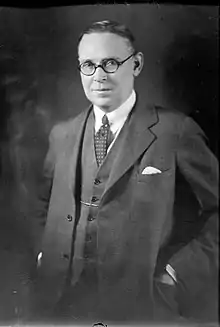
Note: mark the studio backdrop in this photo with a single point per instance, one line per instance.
(40, 85)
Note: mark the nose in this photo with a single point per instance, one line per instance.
(100, 75)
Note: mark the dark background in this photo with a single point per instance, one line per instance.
(40, 85)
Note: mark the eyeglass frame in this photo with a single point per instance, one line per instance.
(119, 63)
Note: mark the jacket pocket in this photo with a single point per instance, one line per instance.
(165, 296)
(153, 177)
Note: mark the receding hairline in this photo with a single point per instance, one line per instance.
(110, 27)
(127, 42)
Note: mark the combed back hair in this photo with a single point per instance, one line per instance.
(107, 26)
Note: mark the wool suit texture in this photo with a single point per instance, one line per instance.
(142, 222)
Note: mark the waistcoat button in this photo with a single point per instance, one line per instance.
(90, 218)
(88, 238)
(86, 256)
(69, 217)
(97, 181)
(94, 199)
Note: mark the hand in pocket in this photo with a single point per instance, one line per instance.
(165, 295)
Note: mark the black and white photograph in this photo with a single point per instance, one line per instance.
(109, 165)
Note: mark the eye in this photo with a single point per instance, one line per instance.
(87, 64)
(110, 62)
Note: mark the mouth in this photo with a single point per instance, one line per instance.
(101, 90)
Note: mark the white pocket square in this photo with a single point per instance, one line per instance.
(151, 171)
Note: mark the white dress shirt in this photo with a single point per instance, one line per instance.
(116, 117)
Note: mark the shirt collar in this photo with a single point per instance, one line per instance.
(116, 117)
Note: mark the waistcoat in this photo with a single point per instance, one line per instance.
(93, 182)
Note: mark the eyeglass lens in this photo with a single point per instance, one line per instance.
(109, 66)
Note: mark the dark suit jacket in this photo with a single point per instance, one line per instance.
(144, 221)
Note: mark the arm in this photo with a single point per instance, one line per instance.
(43, 196)
(196, 264)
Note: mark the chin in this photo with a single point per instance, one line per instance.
(101, 102)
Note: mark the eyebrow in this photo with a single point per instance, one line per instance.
(107, 58)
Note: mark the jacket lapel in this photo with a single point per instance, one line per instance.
(138, 138)
(74, 147)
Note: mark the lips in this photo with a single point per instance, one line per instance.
(101, 90)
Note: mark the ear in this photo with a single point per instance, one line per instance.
(138, 63)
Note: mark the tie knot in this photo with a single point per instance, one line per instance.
(105, 120)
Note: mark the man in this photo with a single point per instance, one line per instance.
(130, 196)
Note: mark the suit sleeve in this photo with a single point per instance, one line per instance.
(197, 262)
(43, 195)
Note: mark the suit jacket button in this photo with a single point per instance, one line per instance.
(65, 256)
(69, 217)
(97, 181)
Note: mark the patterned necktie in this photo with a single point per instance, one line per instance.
(102, 140)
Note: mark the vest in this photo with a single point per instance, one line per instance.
(92, 186)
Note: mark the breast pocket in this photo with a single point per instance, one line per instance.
(146, 178)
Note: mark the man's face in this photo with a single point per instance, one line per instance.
(107, 90)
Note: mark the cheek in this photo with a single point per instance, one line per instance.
(124, 80)
(117, 82)
(86, 84)
(128, 77)
(124, 85)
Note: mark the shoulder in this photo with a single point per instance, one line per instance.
(174, 120)
(168, 115)
(69, 127)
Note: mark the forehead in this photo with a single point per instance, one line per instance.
(102, 45)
